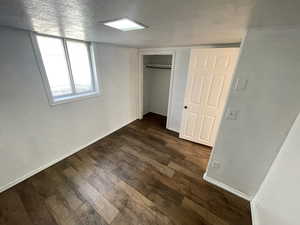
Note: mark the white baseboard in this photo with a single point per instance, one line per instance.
(253, 206)
(31, 173)
(226, 187)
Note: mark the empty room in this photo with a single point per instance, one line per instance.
(141, 112)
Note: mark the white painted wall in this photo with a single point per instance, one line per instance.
(34, 134)
(246, 147)
(277, 200)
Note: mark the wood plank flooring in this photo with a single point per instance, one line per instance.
(141, 174)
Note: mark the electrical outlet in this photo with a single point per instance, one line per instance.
(216, 164)
(232, 114)
(240, 84)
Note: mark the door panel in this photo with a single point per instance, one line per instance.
(215, 91)
(207, 126)
(209, 78)
(197, 93)
(190, 124)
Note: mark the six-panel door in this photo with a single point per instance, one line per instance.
(209, 79)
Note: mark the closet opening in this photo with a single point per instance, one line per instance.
(156, 84)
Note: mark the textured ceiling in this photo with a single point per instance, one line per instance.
(276, 13)
(171, 22)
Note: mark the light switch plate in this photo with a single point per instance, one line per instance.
(232, 114)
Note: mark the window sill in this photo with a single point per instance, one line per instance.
(73, 98)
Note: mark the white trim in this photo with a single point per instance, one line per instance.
(97, 82)
(170, 101)
(227, 187)
(254, 216)
(173, 48)
(31, 173)
(141, 88)
(41, 67)
(74, 96)
(158, 51)
(67, 57)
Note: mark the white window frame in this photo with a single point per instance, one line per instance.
(73, 96)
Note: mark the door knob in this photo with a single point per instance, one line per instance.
(185, 107)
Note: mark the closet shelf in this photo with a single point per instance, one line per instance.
(159, 66)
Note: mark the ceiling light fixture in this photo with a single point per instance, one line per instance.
(124, 24)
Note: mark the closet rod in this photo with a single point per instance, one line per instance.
(159, 66)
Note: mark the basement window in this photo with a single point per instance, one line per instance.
(67, 68)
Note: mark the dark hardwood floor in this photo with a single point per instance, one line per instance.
(140, 174)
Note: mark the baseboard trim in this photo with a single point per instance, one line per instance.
(226, 187)
(30, 174)
(253, 206)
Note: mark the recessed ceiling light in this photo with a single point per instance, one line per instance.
(124, 24)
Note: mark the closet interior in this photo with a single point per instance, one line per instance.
(156, 78)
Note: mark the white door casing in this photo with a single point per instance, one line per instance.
(209, 79)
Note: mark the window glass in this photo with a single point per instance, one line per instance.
(54, 59)
(80, 65)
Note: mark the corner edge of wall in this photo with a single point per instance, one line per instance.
(227, 187)
(254, 216)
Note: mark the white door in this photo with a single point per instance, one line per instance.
(209, 78)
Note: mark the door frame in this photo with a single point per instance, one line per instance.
(142, 53)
